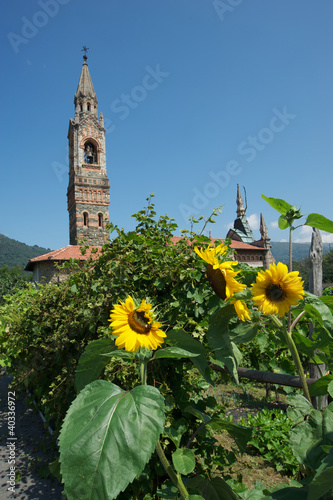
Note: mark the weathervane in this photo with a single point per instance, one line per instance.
(85, 50)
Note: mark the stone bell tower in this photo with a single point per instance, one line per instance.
(88, 193)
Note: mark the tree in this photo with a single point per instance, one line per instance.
(11, 279)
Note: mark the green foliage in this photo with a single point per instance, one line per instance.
(270, 438)
(128, 423)
(312, 433)
(43, 332)
(290, 213)
(11, 280)
(57, 342)
(213, 489)
(15, 253)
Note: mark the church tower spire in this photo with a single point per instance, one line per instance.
(240, 205)
(88, 193)
(85, 99)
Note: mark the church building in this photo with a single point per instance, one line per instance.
(88, 194)
(256, 253)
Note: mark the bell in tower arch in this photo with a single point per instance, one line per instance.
(89, 153)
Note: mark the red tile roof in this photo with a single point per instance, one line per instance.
(235, 245)
(65, 253)
(74, 252)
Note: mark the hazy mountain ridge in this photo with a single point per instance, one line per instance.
(280, 250)
(16, 253)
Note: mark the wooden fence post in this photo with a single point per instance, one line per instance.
(316, 287)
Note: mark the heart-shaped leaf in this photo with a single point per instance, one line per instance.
(107, 438)
(320, 222)
(280, 205)
(183, 460)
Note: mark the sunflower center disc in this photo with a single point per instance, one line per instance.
(217, 281)
(275, 293)
(139, 323)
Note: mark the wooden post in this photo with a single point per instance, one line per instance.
(316, 287)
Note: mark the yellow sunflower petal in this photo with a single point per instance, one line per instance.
(135, 327)
(241, 309)
(276, 290)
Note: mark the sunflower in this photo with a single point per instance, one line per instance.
(135, 327)
(220, 274)
(276, 289)
(209, 255)
(221, 278)
(241, 309)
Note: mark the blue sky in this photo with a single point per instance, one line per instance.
(197, 95)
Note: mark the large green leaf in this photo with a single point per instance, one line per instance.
(280, 205)
(244, 332)
(219, 339)
(91, 363)
(319, 311)
(173, 352)
(322, 482)
(216, 489)
(320, 222)
(330, 389)
(310, 434)
(289, 494)
(120, 353)
(107, 437)
(183, 340)
(304, 344)
(320, 386)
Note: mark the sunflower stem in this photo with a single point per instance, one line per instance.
(291, 249)
(297, 360)
(176, 479)
(143, 372)
(294, 354)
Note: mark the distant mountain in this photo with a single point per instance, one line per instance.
(15, 253)
(280, 250)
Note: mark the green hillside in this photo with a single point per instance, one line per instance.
(280, 250)
(15, 253)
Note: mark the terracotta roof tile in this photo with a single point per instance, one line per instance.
(65, 253)
(235, 245)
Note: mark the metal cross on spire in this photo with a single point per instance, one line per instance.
(85, 50)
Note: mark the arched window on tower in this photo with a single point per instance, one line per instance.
(85, 219)
(88, 106)
(90, 155)
(81, 107)
(100, 220)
